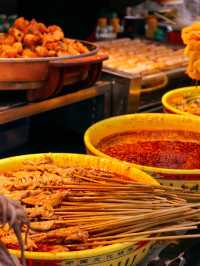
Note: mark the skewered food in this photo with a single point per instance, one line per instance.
(95, 207)
(191, 37)
(141, 57)
(155, 148)
(33, 39)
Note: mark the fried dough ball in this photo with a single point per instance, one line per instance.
(52, 53)
(57, 45)
(76, 45)
(191, 37)
(31, 40)
(17, 34)
(72, 50)
(63, 53)
(52, 37)
(28, 53)
(35, 28)
(42, 28)
(54, 28)
(54, 34)
(7, 39)
(80, 47)
(191, 33)
(8, 51)
(42, 51)
(20, 23)
(18, 46)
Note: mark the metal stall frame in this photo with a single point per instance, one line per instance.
(127, 89)
(29, 109)
(15, 120)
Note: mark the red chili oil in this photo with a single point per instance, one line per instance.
(166, 153)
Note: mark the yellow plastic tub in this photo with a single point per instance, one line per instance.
(115, 255)
(168, 97)
(173, 177)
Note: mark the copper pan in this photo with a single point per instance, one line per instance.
(49, 74)
(34, 69)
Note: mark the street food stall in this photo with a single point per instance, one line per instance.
(133, 197)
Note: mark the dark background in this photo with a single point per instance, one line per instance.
(77, 18)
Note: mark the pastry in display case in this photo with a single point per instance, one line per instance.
(138, 56)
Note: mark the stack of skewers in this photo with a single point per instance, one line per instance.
(92, 208)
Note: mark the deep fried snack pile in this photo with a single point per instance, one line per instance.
(191, 37)
(30, 39)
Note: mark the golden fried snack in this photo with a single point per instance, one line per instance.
(54, 45)
(20, 23)
(35, 28)
(7, 39)
(28, 53)
(31, 39)
(79, 47)
(18, 46)
(191, 32)
(8, 51)
(17, 34)
(42, 51)
(191, 37)
(52, 53)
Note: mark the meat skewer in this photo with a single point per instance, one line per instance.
(75, 208)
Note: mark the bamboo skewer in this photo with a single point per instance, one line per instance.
(113, 210)
(125, 188)
(137, 240)
(164, 230)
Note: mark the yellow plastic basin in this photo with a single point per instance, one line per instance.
(187, 91)
(174, 177)
(117, 254)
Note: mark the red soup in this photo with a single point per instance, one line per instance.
(163, 149)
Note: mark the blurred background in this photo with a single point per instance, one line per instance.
(79, 19)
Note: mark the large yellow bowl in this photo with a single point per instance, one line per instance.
(115, 255)
(187, 91)
(173, 177)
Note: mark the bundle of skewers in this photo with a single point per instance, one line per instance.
(75, 208)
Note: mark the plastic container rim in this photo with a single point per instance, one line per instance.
(70, 255)
(169, 94)
(147, 169)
